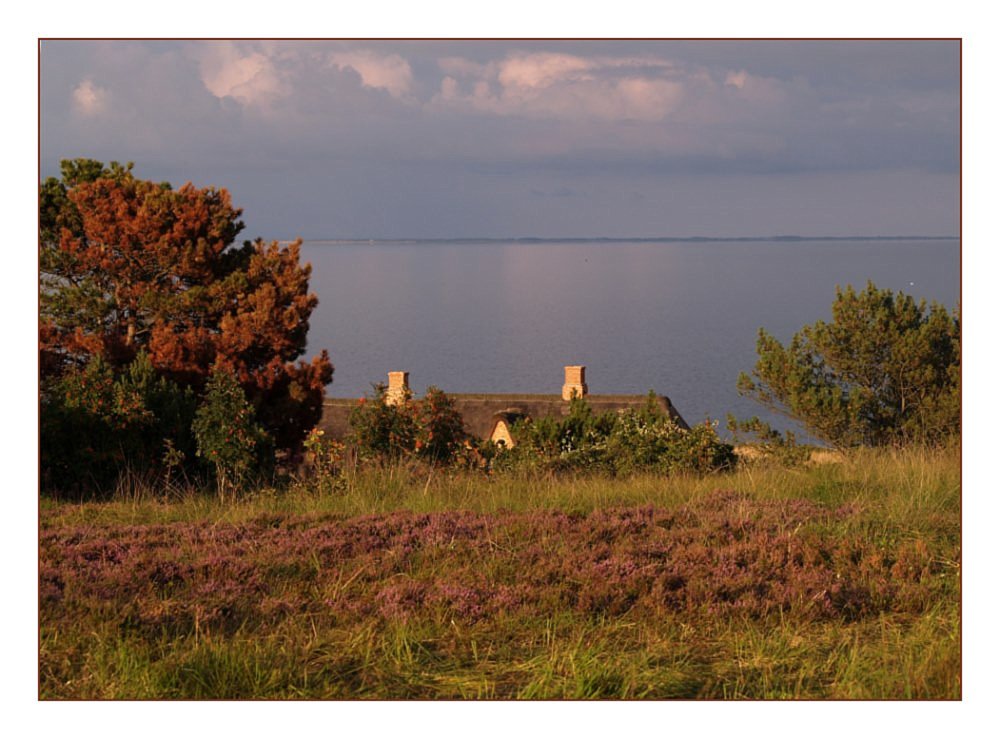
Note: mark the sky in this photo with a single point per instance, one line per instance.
(452, 139)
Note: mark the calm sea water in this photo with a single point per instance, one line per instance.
(678, 318)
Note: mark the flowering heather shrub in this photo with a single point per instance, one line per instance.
(397, 599)
(724, 555)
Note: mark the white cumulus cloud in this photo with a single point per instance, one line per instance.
(554, 85)
(90, 99)
(538, 71)
(388, 72)
(249, 76)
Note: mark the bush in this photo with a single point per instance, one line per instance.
(430, 429)
(885, 370)
(640, 442)
(381, 430)
(767, 442)
(96, 425)
(324, 455)
(228, 438)
(440, 429)
(618, 443)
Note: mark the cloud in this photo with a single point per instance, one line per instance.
(247, 76)
(388, 72)
(758, 90)
(457, 66)
(539, 71)
(737, 79)
(302, 77)
(90, 99)
(549, 108)
(602, 88)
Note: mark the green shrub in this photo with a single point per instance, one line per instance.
(640, 442)
(381, 430)
(440, 430)
(170, 407)
(323, 454)
(430, 429)
(619, 443)
(96, 426)
(767, 441)
(228, 438)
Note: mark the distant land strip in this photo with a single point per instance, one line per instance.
(626, 240)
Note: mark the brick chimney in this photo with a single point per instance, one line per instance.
(399, 388)
(576, 383)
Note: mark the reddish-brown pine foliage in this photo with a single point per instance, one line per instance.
(133, 265)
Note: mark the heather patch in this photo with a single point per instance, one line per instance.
(724, 554)
(404, 586)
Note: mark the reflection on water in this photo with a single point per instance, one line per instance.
(679, 318)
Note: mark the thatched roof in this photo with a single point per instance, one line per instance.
(481, 411)
(336, 414)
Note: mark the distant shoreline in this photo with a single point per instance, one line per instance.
(634, 240)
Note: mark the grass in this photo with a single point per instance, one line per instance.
(827, 581)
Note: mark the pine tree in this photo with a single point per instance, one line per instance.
(128, 265)
(885, 370)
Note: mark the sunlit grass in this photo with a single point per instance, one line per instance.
(903, 484)
(889, 502)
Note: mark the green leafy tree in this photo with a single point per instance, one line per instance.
(228, 437)
(884, 370)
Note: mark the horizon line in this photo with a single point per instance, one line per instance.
(612, 239)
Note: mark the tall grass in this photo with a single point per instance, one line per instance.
(902, 484)
(233, 607)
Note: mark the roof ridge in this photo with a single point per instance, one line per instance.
(532, 396)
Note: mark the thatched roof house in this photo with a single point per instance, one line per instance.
(491, 416)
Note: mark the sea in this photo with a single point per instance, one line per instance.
(679, 317)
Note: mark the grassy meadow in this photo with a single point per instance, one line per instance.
(837, 580)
